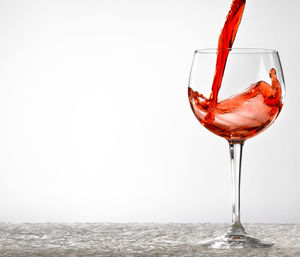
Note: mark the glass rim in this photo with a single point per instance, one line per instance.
(237, 50)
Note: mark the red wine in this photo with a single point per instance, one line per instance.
(226, 40)
(243, 115)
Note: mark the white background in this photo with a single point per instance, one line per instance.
(96, 124)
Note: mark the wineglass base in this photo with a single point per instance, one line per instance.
(235, 241)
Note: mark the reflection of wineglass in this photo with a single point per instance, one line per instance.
(249, 100)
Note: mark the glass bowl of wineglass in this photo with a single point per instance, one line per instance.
(236, 103)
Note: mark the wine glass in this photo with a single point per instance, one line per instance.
(249, 99)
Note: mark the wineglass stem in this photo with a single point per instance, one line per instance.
(235, 150)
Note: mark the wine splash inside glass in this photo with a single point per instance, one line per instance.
(250, 99)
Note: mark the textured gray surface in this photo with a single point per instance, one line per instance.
(132, 240)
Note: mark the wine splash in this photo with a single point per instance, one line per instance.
(243, 115)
